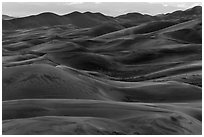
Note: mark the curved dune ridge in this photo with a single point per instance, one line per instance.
(46, 81)
(108, 76)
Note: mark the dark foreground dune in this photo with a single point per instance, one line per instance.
(55, 125)
(107, 75)
(94, 117)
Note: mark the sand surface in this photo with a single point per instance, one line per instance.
(103, 77)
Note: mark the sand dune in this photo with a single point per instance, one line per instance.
(50, 82)
(131, 118)
(87, 73)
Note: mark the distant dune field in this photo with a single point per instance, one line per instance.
(91, 74)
